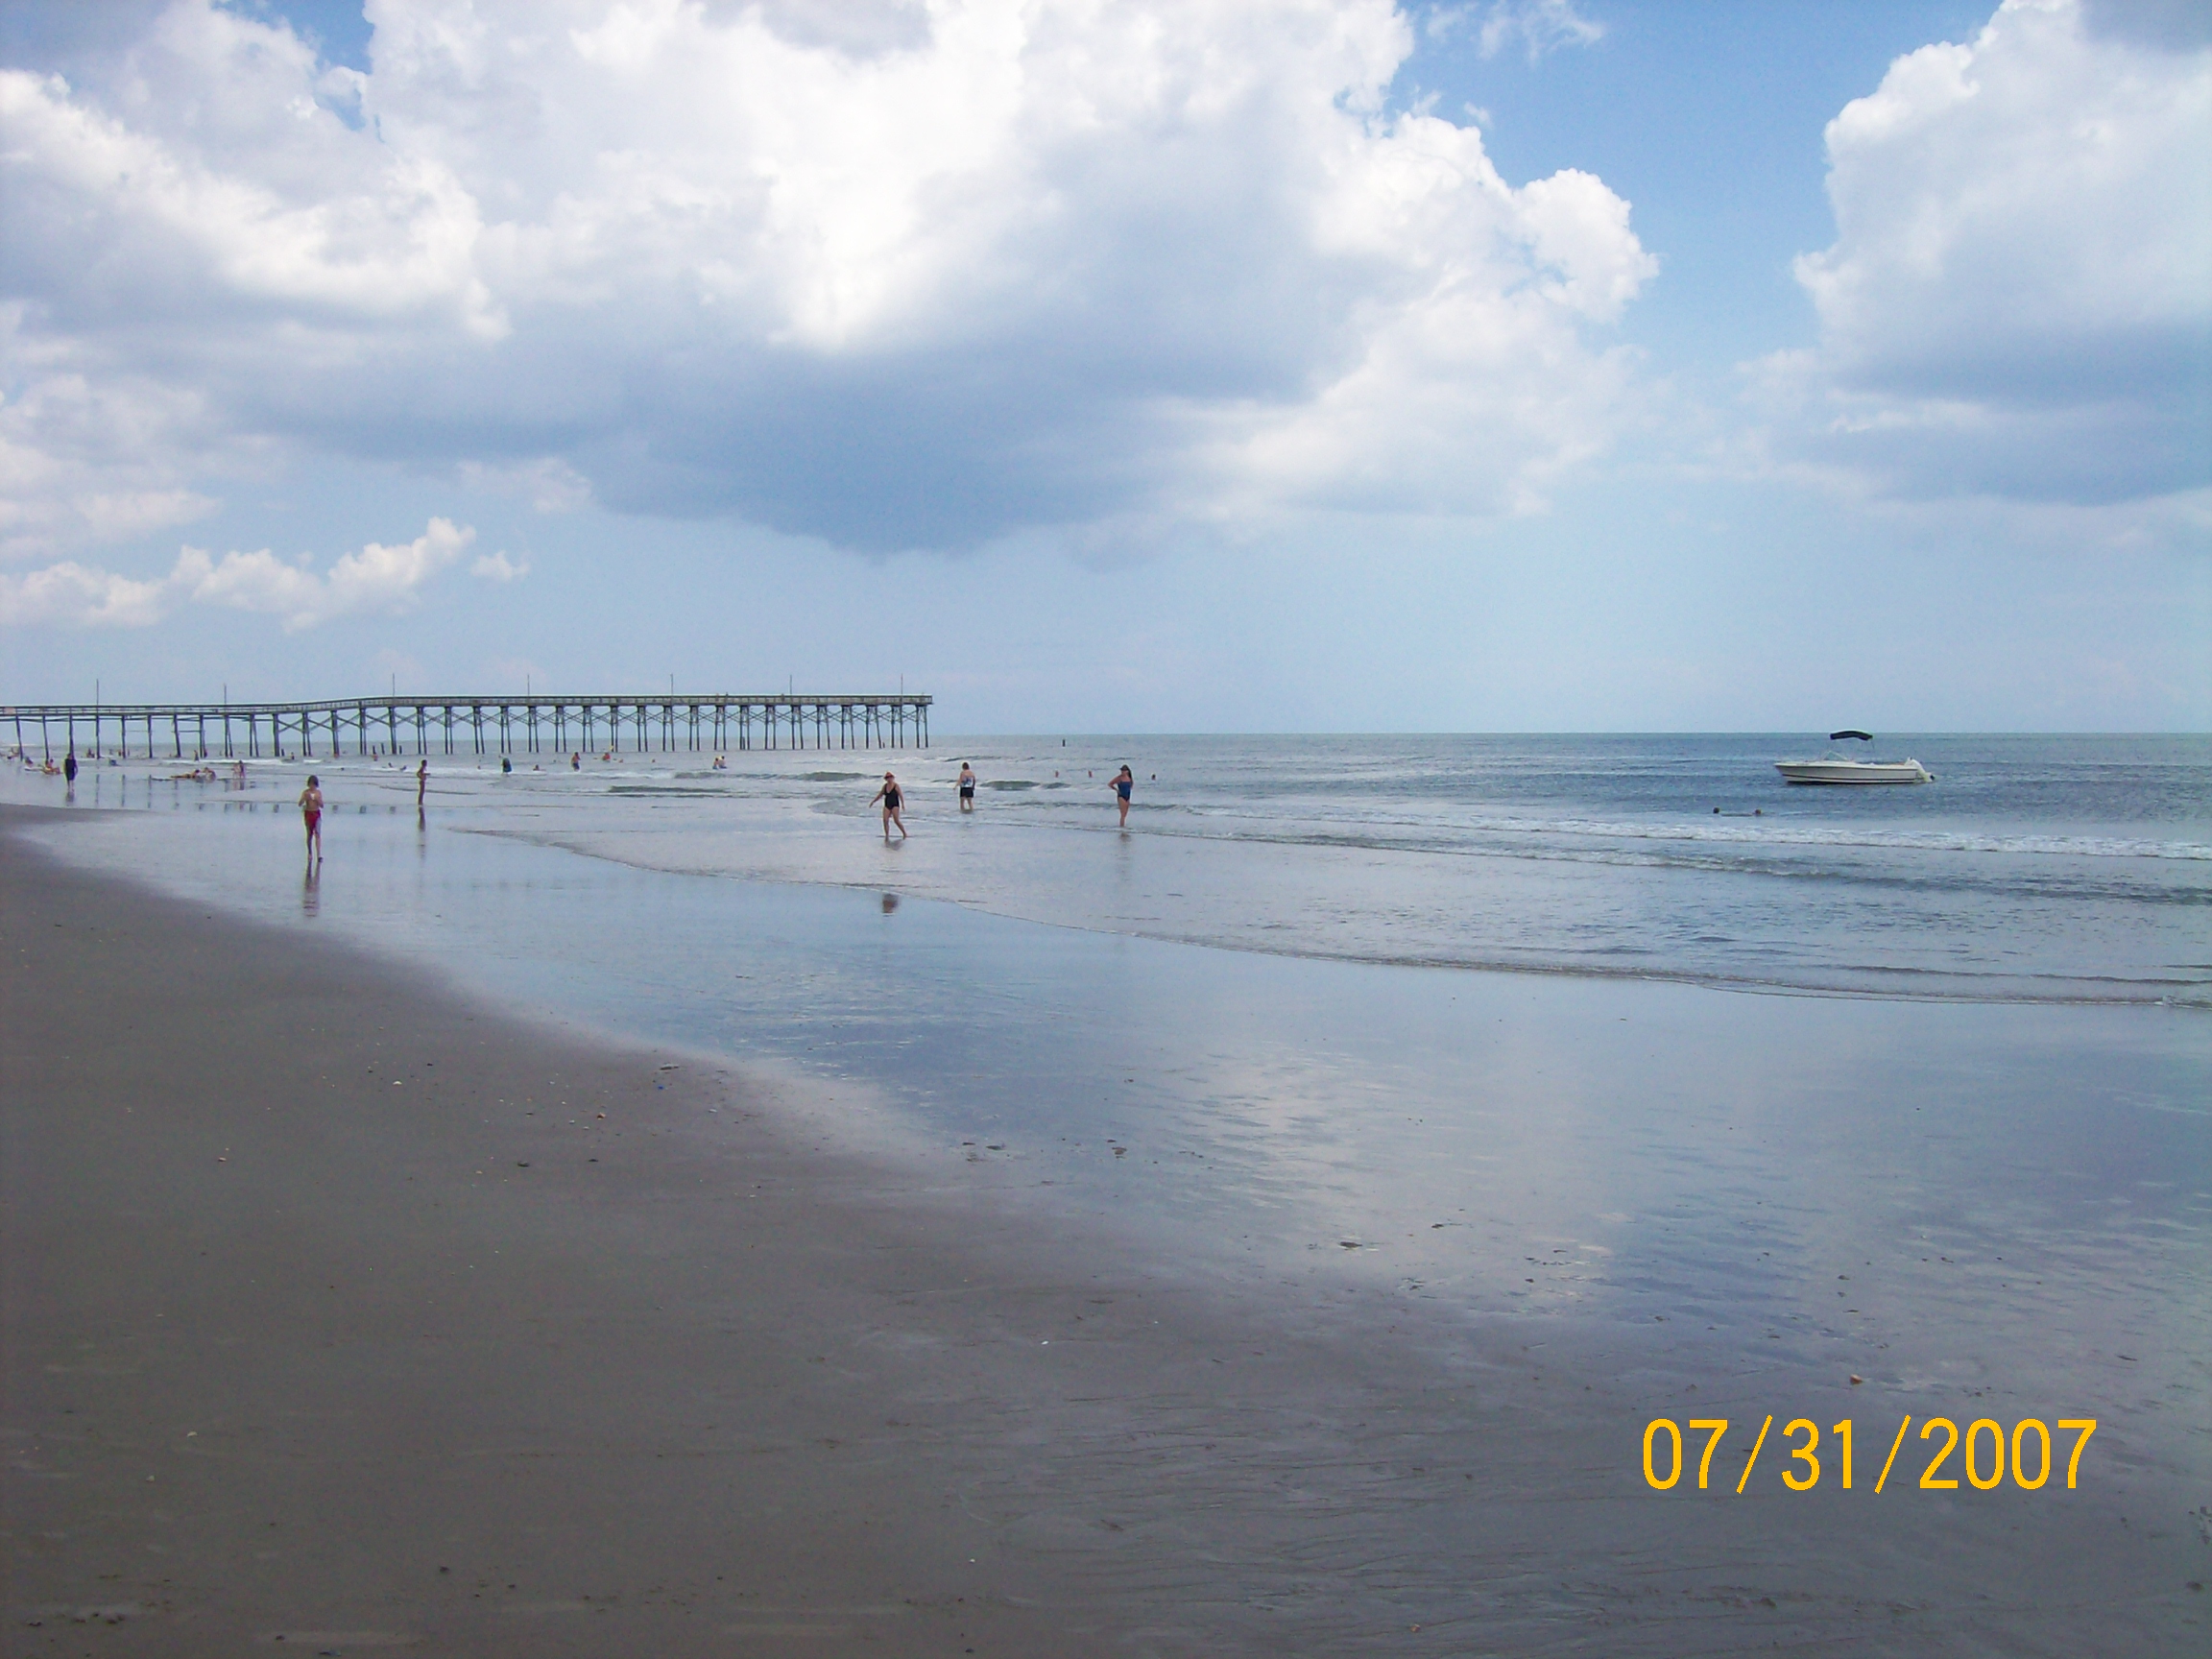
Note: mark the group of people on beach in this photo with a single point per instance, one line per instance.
(893, 799)
(890, 796)
(67, 767)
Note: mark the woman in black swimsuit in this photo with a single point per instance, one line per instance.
(891, 801)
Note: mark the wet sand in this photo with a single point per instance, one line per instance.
(334, 1310)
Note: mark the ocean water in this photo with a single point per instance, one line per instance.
(2041, 869)
(1324, 982)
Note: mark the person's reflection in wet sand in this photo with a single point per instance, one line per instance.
(311, 892)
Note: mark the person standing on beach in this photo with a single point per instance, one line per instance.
(69, 764)
(1125, 782)
(421, 782)
(967, 787)
(891, 801)
(311, 812)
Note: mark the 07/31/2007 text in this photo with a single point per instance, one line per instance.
(1989, 1453)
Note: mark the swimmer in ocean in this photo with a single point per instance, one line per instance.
(1124, 785)
(967, 787)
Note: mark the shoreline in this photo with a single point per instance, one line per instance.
(673, 1414)
(1990, 900)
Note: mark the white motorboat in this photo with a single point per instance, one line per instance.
(1833, 769)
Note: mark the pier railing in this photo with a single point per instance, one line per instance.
(469, 724)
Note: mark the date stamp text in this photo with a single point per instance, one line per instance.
(1986, 1455)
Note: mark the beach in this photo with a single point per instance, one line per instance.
(981, 1284)
(1486, 932)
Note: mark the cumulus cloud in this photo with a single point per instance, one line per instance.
(71, 593)
(375, 579)
(2019, 298)
(890, 273)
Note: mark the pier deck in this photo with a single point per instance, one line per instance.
(471, 725)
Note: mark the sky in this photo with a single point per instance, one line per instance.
(1320, 365)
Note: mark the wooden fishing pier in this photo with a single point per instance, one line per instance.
(469, 726)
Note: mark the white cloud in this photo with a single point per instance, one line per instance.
(375, 579)
(85, 464)
(319, 226)
(889, 275)
(69, 592)
(1540, 26)
(2019, 298)
(498, 568)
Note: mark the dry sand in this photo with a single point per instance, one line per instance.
(336, 1312)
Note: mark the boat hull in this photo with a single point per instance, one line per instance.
(1854, 772)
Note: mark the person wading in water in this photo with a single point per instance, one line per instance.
(311, 812)
(891, 800)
